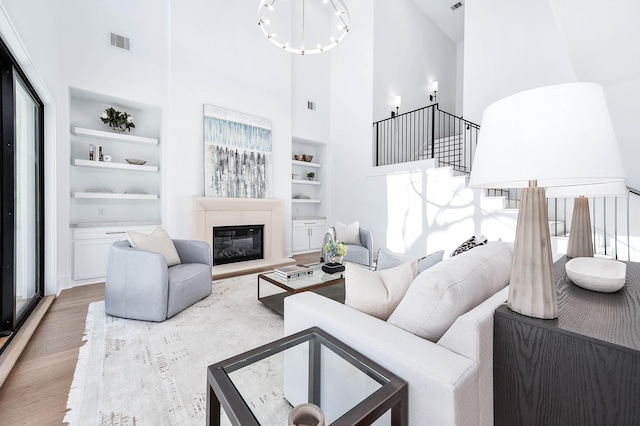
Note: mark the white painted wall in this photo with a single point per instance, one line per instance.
(624, 108)
(510, 46)
(460, 79)
(410, 52)
(227, 65)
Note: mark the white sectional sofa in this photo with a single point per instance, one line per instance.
(450, 380)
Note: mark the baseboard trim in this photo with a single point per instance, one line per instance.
(19, 342)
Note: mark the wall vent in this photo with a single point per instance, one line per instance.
(311, 105)
(457, 5)
(121, 42)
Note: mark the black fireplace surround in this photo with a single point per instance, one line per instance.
(237, 243)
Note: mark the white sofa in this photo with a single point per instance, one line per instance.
(450, 382)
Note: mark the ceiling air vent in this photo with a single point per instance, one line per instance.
(121, 42)
(457, 5)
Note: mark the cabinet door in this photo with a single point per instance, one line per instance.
(90, 257)
(317, 237)
(300, 239)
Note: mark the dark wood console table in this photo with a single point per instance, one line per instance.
(580, 369)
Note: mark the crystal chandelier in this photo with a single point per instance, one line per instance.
(304, 27)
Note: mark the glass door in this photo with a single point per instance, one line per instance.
(22, 195)
(26, 203)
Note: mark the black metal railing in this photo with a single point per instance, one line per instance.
(425, 133)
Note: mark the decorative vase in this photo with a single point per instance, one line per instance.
(307, 414)
(337, 259)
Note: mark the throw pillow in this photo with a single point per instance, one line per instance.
(377, 293)
(469, 244)
(158, 242)
(388, 259)
(348, 234)
(439, 295)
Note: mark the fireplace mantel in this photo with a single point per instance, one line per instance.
(208, 212)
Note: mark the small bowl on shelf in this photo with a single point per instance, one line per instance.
(307, 158)
(135, 161)
(298, 157)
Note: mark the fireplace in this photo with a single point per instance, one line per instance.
(237, 243)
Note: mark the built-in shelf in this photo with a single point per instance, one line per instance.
(305, 182)
(305, 163)
(123, 137)
(109, 165)
(111, 195)
(305, 201)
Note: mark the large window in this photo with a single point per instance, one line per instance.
(22, 220)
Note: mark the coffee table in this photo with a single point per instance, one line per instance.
(261, 386)
(329, 285)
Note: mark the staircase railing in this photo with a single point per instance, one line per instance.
(426, 133)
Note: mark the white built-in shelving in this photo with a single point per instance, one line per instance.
(113, 136)
(110, 165)
(305, 182)
(114, 196)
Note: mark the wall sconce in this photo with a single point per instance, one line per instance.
(434, 88)
(397, 102)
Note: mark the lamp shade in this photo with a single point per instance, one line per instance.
(556, 135)
(609, 189)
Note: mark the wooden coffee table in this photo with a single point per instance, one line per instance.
(275, 289)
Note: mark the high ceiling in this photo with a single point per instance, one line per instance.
(603, 38)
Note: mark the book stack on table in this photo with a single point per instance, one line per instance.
(294, 271)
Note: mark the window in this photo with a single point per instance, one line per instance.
(22, 195)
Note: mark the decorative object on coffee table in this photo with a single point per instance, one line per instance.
(591, 273)
(518, 133)
(117, 120)
(334, 251)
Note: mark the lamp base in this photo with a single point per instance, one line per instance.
(532, 288)
(580, 238)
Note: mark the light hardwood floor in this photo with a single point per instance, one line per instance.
(35, 392)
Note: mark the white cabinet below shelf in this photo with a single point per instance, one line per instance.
(111, 195)
(308, 235)
(110, 165)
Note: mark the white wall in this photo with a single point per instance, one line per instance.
(624, 108)
(410, 52)
(220, 57)
(510, 46)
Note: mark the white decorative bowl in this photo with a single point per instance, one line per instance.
(135, 161)
(603, 275)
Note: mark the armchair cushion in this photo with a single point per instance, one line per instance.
(377, 293)
(158, 242)
(348, 234)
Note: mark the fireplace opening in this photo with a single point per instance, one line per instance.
(237, 243)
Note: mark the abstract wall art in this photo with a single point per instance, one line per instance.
(237, 153)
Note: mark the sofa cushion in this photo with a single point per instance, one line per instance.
(158, 242)
(348, 234)
(377, 293)
(388, 259)
(439, 295)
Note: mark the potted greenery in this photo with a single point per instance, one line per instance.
(311, 175)
(117, 120)
(334, 252)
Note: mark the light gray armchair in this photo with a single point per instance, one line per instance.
(140, 286)
(358, 253)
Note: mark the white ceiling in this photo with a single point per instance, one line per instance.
(603, 38)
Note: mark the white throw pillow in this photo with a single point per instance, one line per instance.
(158, 242)
(377, 293)
(439, 295)
(348, 234)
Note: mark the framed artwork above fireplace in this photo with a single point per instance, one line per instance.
(237, 154)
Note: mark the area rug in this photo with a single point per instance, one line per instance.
(143, 373)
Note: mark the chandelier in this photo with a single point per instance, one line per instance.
(304, 27)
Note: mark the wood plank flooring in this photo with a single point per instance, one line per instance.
(36, 390)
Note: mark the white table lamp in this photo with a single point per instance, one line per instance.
(551, 136)
(580, 242)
